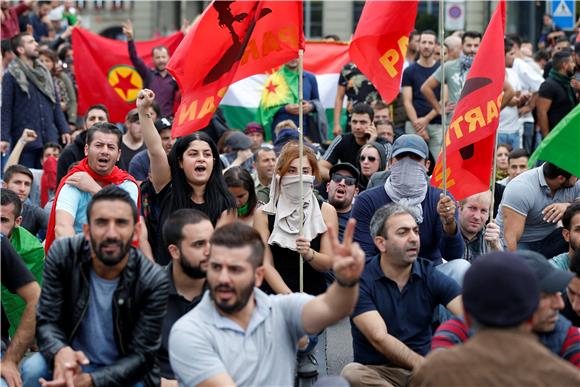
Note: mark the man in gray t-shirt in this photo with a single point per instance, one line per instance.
(531, 207)
(238, 335)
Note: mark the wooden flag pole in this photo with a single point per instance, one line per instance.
(301, 155)
(491, 218)
(442, 98)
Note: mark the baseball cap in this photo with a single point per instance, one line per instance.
(551, 280)
(410, 143)
(163, 123)
(500, 290)
(238, 141)
(345, 167)
(253, 127)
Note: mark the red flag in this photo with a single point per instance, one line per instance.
(380, 42)
(471, 134)
(231, 41)
(105, 74)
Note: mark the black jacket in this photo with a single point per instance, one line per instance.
(139, 304)
(71, 154)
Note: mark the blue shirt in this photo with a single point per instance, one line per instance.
(139, 166)
(408, 313)
(96, 334)
(435, 243)
(75, 202)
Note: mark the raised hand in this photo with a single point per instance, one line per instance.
(128, 29)
(348, 259)
(145, 99)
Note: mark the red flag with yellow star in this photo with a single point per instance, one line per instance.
(231, 41)
(105, 74)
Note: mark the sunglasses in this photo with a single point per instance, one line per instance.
(372, 159)
(348, 180)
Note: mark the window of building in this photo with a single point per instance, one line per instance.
(313, 19)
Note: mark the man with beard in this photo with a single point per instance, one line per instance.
(158, 78)
(532, 205)
(556, 95)
(238, 335)
(95, 171)
(186, 234)
(342, 188)
(408, 184)
(555, 332)
(399, 292)
(30, 100)
(571, 234)
(423, 120)
(102, 303)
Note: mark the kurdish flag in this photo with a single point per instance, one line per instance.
(561, 146)
(324, 59)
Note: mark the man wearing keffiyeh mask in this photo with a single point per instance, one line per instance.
(408, 184)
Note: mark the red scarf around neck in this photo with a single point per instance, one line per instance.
(117, 176)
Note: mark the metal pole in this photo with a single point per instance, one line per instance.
(442, 99)
(301, 155)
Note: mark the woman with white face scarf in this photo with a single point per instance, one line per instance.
(278, 224)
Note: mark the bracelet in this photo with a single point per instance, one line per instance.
(346, 285)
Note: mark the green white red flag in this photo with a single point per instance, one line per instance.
(232, 40)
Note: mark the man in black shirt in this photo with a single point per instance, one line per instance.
(345, 148)
(556, 95)
(186, 234)
(132, 141)
(17, 279)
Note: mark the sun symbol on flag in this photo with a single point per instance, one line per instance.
(126, 81)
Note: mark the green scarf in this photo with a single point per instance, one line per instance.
(280, 89)
(565, 82)
(244, 210)
(31, 251)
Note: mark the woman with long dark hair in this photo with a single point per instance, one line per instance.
(190, 176)
(241, 186)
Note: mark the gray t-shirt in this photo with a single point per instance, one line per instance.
(96, 335)
(528, 194)
(453, 78)
(204, 343)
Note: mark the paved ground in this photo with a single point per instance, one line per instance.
(333, 352)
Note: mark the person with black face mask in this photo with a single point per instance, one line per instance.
(102, 303)
(186, 234)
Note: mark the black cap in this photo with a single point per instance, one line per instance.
(239, 141)
(500, 290)
(551, 280)
(163, 123)
(345, 167)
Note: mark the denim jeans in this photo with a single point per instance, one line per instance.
(513, 139)
(531, 137)
(455, 269)
(36, 367)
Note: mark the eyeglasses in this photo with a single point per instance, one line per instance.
(372, 159)
(348, 180)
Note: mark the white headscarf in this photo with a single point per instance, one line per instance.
(284, 203)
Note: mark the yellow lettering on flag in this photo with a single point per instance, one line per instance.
(439, 176)
(474, 117)
(390, 58)
(188, 112)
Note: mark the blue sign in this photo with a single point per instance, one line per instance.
(563, 13)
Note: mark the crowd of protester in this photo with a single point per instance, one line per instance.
(131, 258)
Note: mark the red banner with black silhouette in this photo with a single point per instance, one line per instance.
(471, 133)
(379, 44)
(231, 41)
(105, 74)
